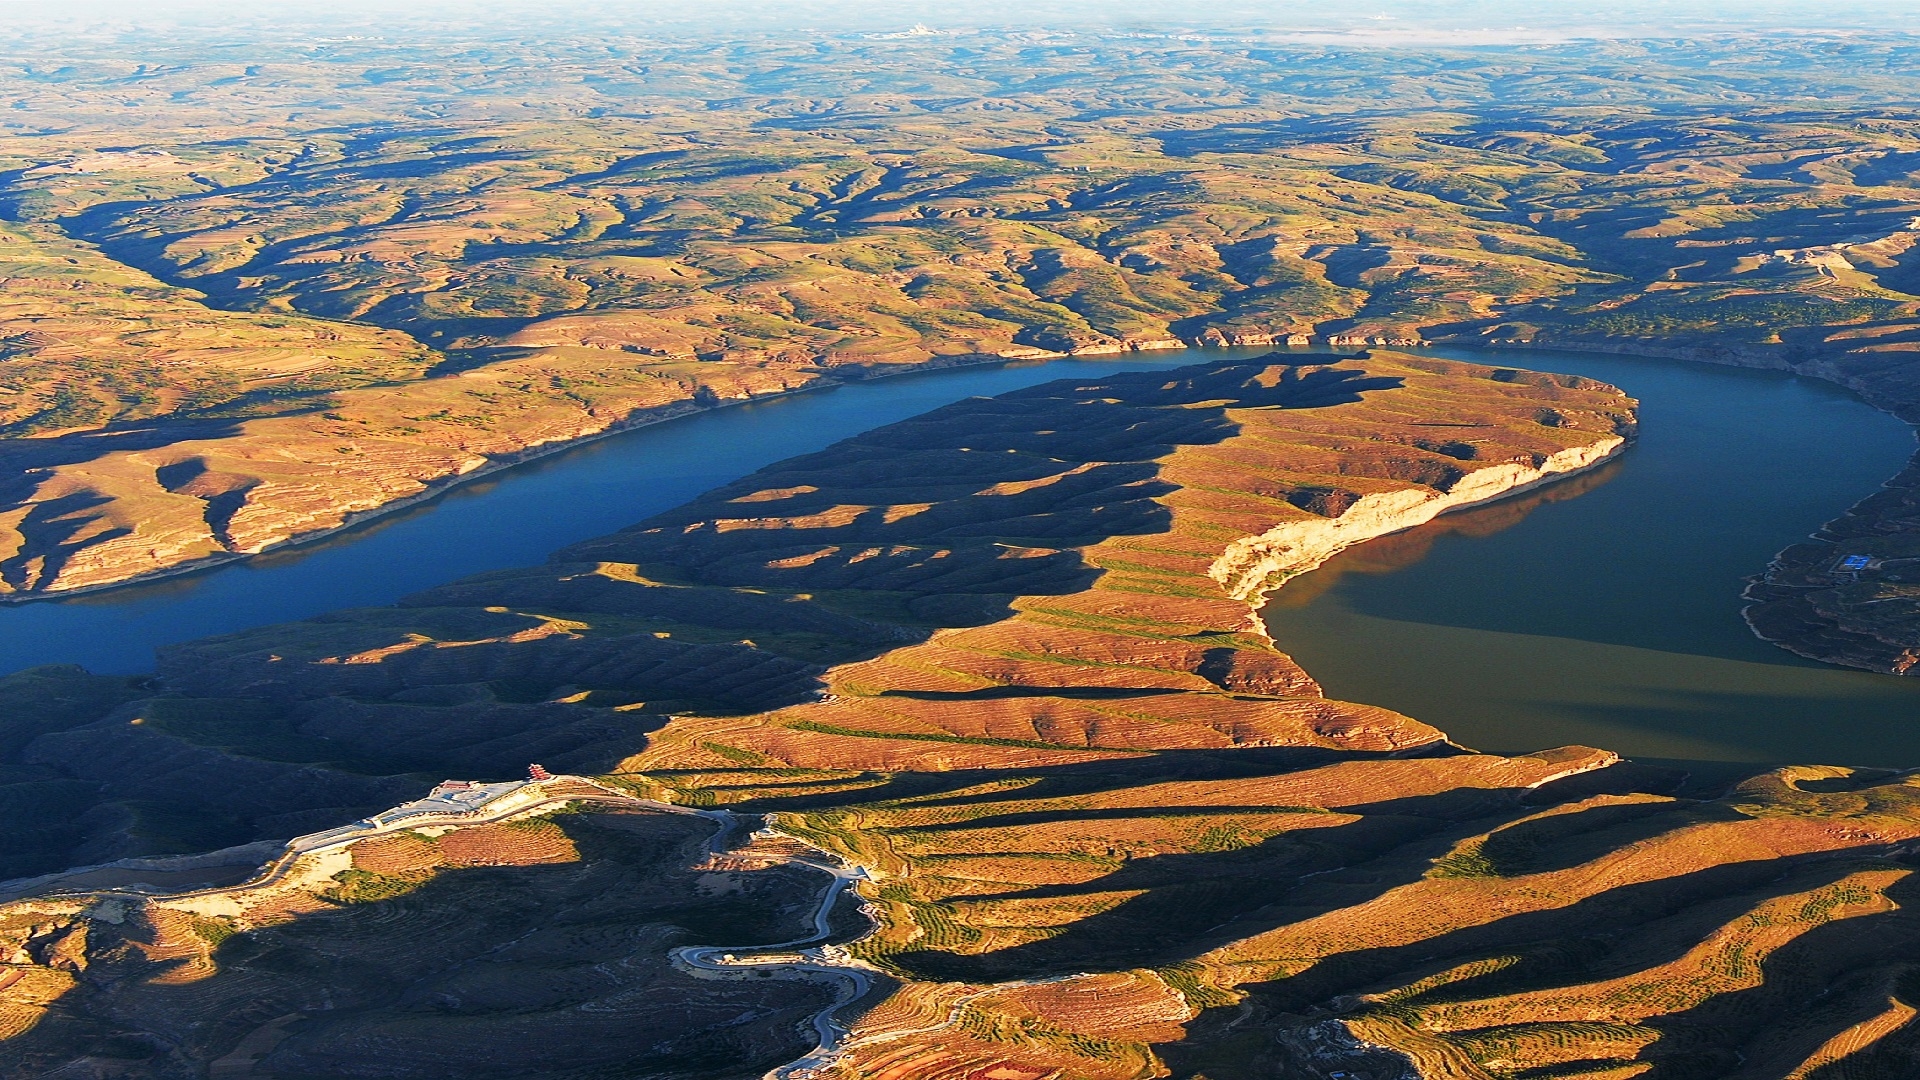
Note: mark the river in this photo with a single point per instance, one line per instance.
(515, 517)
(1604, 610)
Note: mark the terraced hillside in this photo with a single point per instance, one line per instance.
(1012, 671)
(415, 286)
(825, 567)
(1003, 658)
(535, 946)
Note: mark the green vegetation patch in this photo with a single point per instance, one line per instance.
(928, 736)
(358, 886)
(249, 727)
(1192, 979)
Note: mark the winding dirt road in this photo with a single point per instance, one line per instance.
(807, 957)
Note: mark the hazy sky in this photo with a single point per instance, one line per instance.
(1372, 17)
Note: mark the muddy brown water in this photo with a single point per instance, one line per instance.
(1606, 610)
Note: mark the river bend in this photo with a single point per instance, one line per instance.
(1602, 610)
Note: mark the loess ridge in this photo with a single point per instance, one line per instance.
(1002, 658)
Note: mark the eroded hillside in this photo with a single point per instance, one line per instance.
(1002, 658)
(574, 243)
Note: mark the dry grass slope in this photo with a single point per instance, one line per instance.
(373, 305)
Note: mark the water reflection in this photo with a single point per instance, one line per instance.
(1397, 551)
(1605, 610)
(1515, 692)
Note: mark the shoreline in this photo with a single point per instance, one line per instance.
(675, 411)
(657, 415)
(434, 490)
(1749, 358)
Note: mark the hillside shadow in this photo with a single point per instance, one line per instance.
(1074, 693)
(963, 787)
(1564, 841)
(54, 531)
(982, 498)
(1264, 137)
(490, 706)
(50, 526)
(509, 971)
(1348, 264)
(1189, 902)
(1611, 934)
(1608, 235)
(1823, 982)
(1186, 903)
(19, 456)
(955, 512)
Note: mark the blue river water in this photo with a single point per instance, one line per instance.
(1604, 610)
(510, 518)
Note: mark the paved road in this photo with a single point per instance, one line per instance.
(855, 981)
(796, 957)
(332, 838)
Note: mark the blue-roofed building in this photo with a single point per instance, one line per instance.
(1855, 562)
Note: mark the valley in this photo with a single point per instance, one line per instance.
(405, 306)
(1023, 553)
(1105, 824)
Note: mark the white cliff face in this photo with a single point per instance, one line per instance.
(1255, 564)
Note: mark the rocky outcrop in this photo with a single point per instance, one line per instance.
(1255, 564)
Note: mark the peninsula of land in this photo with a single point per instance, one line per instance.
(1002, 659)
(233, 321)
